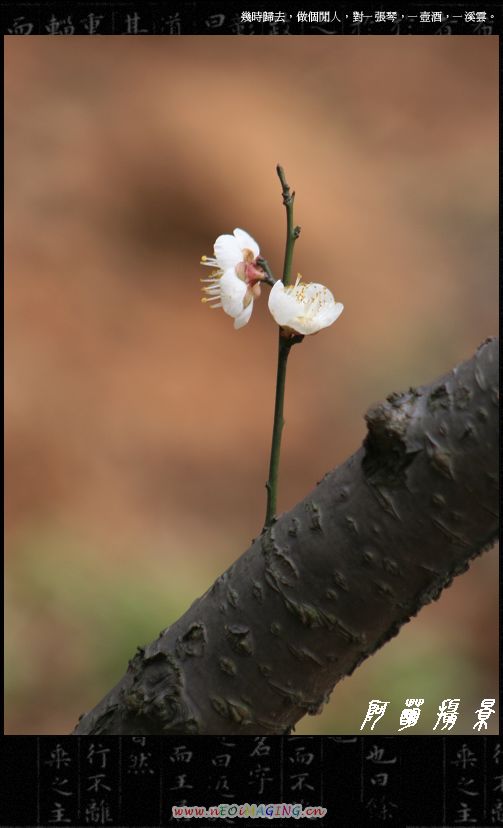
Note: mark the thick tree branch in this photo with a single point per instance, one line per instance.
(333, 579)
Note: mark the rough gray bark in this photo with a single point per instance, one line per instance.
(333, 579)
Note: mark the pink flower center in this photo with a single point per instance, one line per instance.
(249, 271)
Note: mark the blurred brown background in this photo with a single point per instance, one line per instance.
(138, 421)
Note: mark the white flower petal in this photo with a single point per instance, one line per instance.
(305, 308)
(313, 292)
(329, 315)
(244, 316)
(232, 292)
(246, 242)
(282, 305)
(303, 325)
(227, 252)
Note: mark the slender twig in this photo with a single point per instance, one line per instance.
(292, 231)
(285, 343)
(272, 483)
(270, 280)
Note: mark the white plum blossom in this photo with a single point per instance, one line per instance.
(303, 308)
(235, 281)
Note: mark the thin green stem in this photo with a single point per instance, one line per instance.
(285, 343)
(292, 231)
(272, 483)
